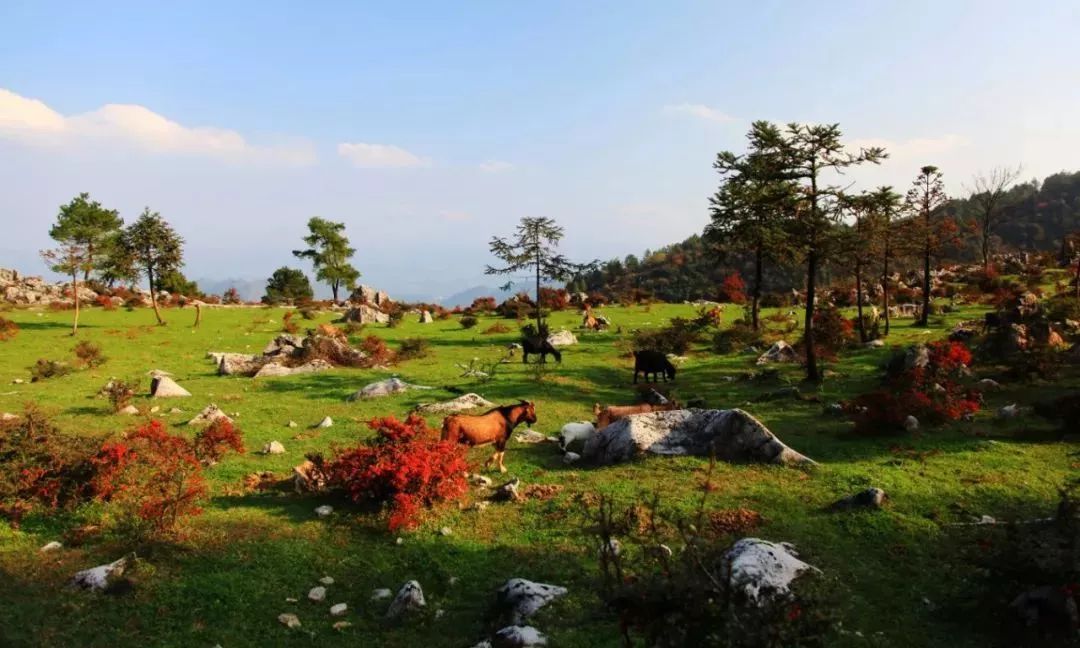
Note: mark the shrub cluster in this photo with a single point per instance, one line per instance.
(676, 337)
(931, 392)
(412, 348)
(404, 470)
(468, 321)
(8, 329)
(44, 369)
(89, 354)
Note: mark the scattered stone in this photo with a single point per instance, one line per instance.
(834, 409)
(780, 351)
(51, 546)
(518, 637)
(341, 625)
(291, 599)
(989, 384)
(162, 386)
(274, 447)
(571, 457)
(520, 598)
(325, 423)
(425, 317)
(208, 415)
(409, 597)
(445, 531)
(508, 492)
(383, 388)
(324, 511)
(730, 435)
(477, 479)
(911, 423)
(176, 410)
(18, 381)
(289, 620)
(439, 613)
(869, 498)
(128, 410)
(562, 338)
(1009, 411)
(338, 609)
(761, 569)
(317, 594)
(875, 344)
(381, 594)
(459, 404)
(326, 580)
(238, 364)
(100, 578)
(155, 409)
(308, 478)
(291, 424)
(529, 436)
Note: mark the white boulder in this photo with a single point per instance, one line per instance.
(520, 598)
(562, 338)
(409, 597)
(98, 578)
(459, 404)
(162, 386)
(779, 352)
(762, 570)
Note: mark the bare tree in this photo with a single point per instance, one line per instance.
(987, 199)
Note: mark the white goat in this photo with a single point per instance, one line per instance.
(577, 431)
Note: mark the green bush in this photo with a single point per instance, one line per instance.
(468, 321)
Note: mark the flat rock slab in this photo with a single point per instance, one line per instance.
(162, 386)
(762, 570)
(521, 598)
(459, 404)
(99, 578)
(275, 369)
(383, 388)
(733, 435)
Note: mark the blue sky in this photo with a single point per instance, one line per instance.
(428, 127)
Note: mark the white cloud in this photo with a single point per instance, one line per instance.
(701, 111)
(380, 156)
(496, 166)
(33, 122)
(917, 148)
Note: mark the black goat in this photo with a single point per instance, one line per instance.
(538, 345)
(652, 362)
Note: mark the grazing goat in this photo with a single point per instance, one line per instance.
(493, 426)
(572, 432)
(538, 345)
(605, 416)
(652, 362)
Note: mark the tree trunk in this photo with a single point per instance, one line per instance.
(808, 335)
(756, 296)
(539, 308)
(925, 315)
(858, 300)
(153, 295)
(75, 294)
(198, 315)
(885, 286)
(334, 290)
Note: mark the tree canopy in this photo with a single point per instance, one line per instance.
(329, 253)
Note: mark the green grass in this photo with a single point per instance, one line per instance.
(228, 581)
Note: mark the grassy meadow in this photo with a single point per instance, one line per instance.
(901, 573)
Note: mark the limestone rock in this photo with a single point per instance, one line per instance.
(162, 386)
(762, 570)
(51, 546)
(381, 594)
(99, 578)
(338, 609)
(1009, 411)
(911, 424)
(365, 314)
(275, 369)
(520, 598)
(508, 492)
(529, 436)
(460, 404)
(733, 435)
(128, 410)
(518, 637)
(409, 597)
(308, 478)
(208, 415)
(562, 338)
(289, 620)
(382, 388)
(238, 364)
(325, 422)
(317, 594)
(274, 447)
(324, 511)
(425, 317)
(780, 351)
(869, 498)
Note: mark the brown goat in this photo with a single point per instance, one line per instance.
(605, 416)
(493, 426)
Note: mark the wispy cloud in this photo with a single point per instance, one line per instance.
(380, 156)
(700, 111)
(920, 147)
(496, 166)
(33, 122)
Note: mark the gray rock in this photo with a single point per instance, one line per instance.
(762, 570)
(911, 424)
(162, 386)
(208, 415)
(338, 609)
(529, 436)
(519, 599)
(128, 410)
(317, 594)
(365, 314)
(289, 620)
(381, 594)
(381, 388)
(409, 597)
(518, 637)
(324, 511)
(869, 498)
(274, 447)
(779, 352)
(562, 338)
(239, 364)
(51, 546)
(325, 423)
(460, 404)
(98, 579)
(733, 435)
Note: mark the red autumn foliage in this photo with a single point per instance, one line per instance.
(8, 329)
(155, 478)
(105, 302)
(733, 289)
(483, 305)
(832, 332)
(932, 394)
(554, 299)
(374, 347)
(405, 470)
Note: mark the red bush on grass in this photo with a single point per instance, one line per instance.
(8, 329)
(405, 470)
(733, 289)
(154, 479)
(932, 394)
(374, 347)
(554, 299)
(105, 302)
(483, 305)
(832, 332)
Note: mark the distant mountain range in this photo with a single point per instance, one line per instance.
(253, 289)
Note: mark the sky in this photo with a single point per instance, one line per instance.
(428, 127)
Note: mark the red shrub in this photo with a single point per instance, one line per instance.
(105, 302)
(483, 305)
(212, 442)
(8, 329)
(932, 394)
(405, 469)
(832, 332)
(376, 351)
(155, 478)
(553, 299)
(733, 289)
